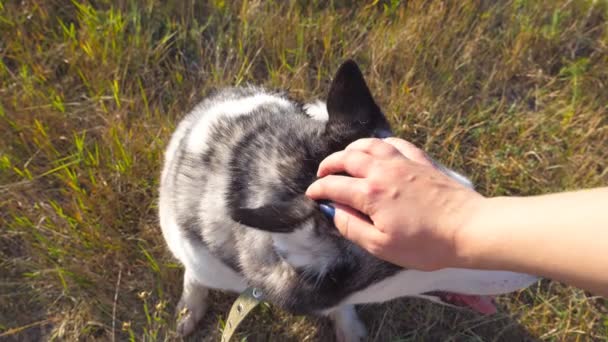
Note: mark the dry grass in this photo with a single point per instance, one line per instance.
(514, 93)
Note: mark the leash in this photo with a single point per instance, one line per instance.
(242, 306)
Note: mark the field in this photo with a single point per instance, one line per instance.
(512, 93)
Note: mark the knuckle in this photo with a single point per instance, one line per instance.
(375, 165)
(380, 147)
(393, 151)
(381, 167)
(400, 170)
(374, 143)
(419, 155)
(399, 143)
(371, 189)
(391, 140)
(351, 157)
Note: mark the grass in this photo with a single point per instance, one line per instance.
(513, 93)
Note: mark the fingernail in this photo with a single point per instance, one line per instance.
(383, 133)
(328, 210)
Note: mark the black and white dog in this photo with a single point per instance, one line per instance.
(233, 210)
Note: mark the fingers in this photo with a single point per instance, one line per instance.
(374, 146)
(358, 157)
(389, 147)
(409, 150)
(355, 163)
(357, 228)
(340, 189)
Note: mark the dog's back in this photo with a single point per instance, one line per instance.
(228, 153)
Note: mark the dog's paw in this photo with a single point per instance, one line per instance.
(188, 317)
(347, 325)
(192, 306)
(352, 333)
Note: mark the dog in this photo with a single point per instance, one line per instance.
(233, 212)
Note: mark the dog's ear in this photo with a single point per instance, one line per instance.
(350, 102)
(279, 217)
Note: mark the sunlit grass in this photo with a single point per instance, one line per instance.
(513, 93)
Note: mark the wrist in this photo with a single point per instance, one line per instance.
(471, 232)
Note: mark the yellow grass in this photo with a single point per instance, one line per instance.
(513, 93)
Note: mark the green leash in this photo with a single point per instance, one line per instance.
(242, 306)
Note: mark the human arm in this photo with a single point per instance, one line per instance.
(418, 217)
(561, 236)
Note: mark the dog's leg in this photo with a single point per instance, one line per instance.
(192, 306)
(347, 325)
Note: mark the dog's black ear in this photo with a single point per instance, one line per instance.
(280, 217)
(350, 101)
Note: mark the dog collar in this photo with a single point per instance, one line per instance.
(242, 306)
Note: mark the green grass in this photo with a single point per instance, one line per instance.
(513, 93)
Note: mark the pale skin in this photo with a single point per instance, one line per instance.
(418, 217)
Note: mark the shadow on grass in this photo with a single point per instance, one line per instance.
(398, 320)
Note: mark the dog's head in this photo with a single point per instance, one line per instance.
(304, 237)
(352, 114)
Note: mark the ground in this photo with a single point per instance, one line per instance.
(511, 93)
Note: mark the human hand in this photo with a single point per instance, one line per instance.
(416, 212)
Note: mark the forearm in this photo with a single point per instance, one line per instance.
(561, 236)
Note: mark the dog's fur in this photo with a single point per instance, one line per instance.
(233, 210)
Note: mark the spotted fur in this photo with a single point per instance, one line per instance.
(233, 210)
